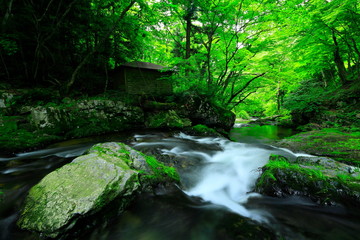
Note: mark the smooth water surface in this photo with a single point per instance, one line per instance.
(256, 133)
(214, 201)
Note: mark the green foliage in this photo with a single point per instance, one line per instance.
(243, 115)
(8, 44)
(254, 106)
(44, 43)
(307, 98)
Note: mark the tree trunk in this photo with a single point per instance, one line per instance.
(7, 14)
(188, 33)
(324, 78)
(5, 67)
(338, 61)
(89, 54)
(106, 78)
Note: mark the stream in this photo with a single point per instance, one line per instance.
(214, 202)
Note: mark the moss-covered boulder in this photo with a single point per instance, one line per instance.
(201, 109)
(322, 179)
(83, 187)
(166, 119)
(202, 130)
(335, 143)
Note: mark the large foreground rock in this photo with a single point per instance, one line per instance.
(321, 179)
(83, 187)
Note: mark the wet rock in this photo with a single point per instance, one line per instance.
(87, 117)
(200, 110)
(5, 98)
(49, 117)
(167, 119)
(86, 185)
(202, 130)
(323, 180)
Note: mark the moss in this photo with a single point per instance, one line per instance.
(336, 143)
(265, 176)
(281, 177)
(280, 162)
(168, 119)
(109, 153)
(22, 139)
(160, 171)
(203, 129)
(242, 114)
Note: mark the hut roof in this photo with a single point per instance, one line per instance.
(143, 65)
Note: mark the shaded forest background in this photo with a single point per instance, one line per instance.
(258, 58)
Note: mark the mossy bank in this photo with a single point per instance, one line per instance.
(323, 180)
(338, 143)
(26, 122)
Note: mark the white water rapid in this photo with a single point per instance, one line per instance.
(227, 175)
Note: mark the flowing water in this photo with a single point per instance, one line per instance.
(214, 201)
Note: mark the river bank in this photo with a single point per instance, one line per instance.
(326, 169)
(32, 119)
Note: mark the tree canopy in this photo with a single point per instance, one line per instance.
(243, 53)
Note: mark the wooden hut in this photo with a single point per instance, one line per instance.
(142, 78)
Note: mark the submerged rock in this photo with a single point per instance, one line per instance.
(83, 187)
(322, 179)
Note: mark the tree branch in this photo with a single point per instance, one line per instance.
(110, 31)
(234, 95)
